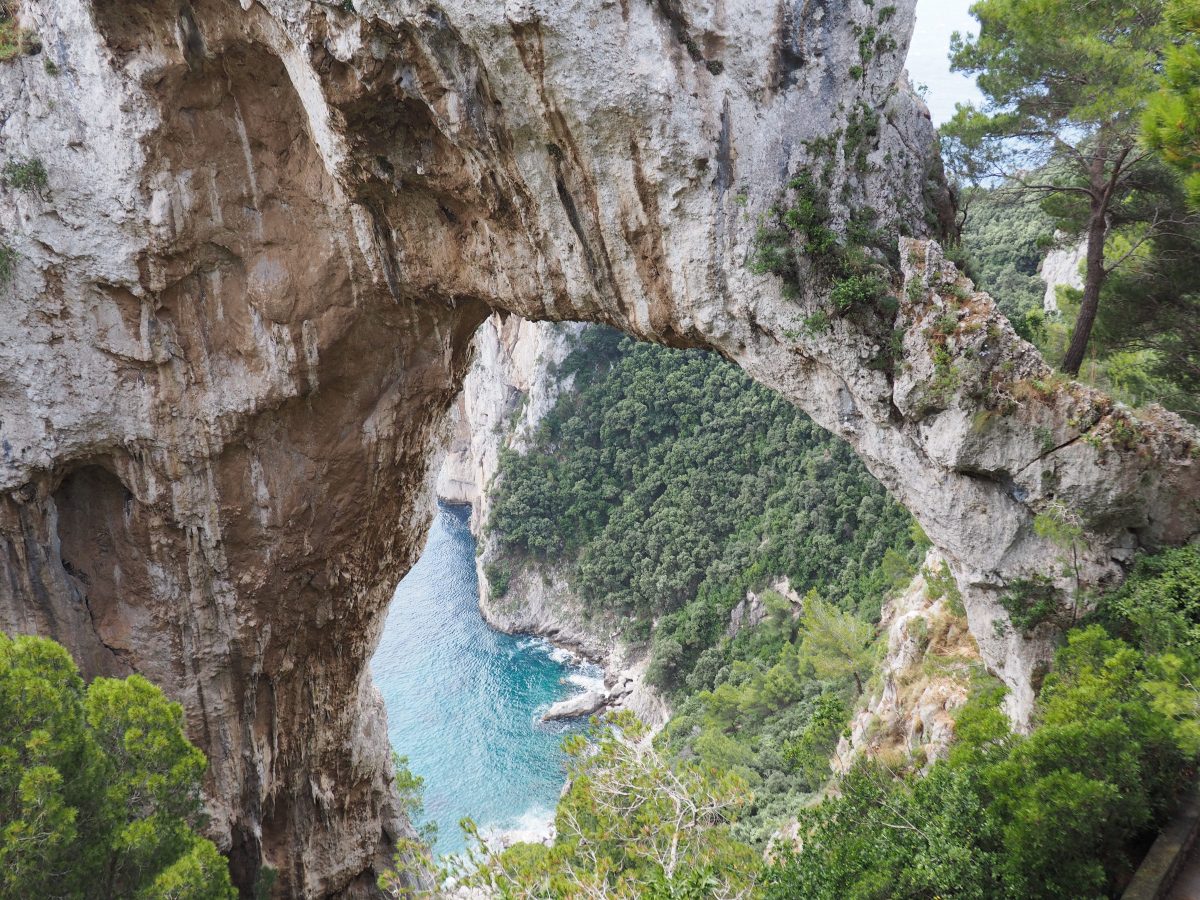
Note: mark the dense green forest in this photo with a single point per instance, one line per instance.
(669, 483)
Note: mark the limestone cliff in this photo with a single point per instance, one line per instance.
(244, 304)
(1061, 267)
(511, 385)
(925, 675)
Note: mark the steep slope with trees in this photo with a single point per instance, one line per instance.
(1063, 810)
(670, 484)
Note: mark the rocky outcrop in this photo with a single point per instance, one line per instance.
(1062, 267)
(752, 609)
(244, 304)
(511, 385)
(540, 600)
(584, 704)
(928, 665)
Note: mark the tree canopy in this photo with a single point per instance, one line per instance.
(633, 823)
(668, 484)
(1065, 84)
(99, 787)
(1172, 120)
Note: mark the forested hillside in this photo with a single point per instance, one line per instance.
(669, 486)
(670, 483)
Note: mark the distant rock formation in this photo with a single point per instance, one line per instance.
(926, 675)
(584, 704)
(1061, 268)
(512, 384)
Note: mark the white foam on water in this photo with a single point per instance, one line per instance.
(586, 680)
(562, 655)
(534, 826)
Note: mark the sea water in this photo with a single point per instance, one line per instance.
(464, 701)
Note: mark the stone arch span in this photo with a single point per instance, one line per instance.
(246, 302)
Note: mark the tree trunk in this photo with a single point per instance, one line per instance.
(1093, 279)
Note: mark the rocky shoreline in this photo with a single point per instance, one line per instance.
(542, 604)
(512, 384)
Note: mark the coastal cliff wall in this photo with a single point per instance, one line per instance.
(512, 384)
(243, 306)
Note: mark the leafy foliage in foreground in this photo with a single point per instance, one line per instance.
(1060, 812)
(1172, 121)
(770, 705)
(632, 824)
(671, 484)
(1063, 811)
(99, 788)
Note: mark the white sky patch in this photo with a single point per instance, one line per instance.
(928, 62)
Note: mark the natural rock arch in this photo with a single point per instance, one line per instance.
(247, 300)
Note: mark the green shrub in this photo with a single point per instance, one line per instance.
(817, 323)
(1158, 606)
(499, 574)
(13, 41)
(1031, 601)
(28, 175)
(857, 291)
(940, 583)
(8, 264)
(809, 752)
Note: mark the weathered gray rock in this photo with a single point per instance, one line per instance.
(1061, 267)
(245, 305)
(585, 704)
(752, 609)
(924, 676)
(511, 385)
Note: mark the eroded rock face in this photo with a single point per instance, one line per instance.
(245, 303)
(512, 384)
(924, 677)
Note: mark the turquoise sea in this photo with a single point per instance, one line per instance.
(464, 701)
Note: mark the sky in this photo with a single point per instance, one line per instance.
(927, 62)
